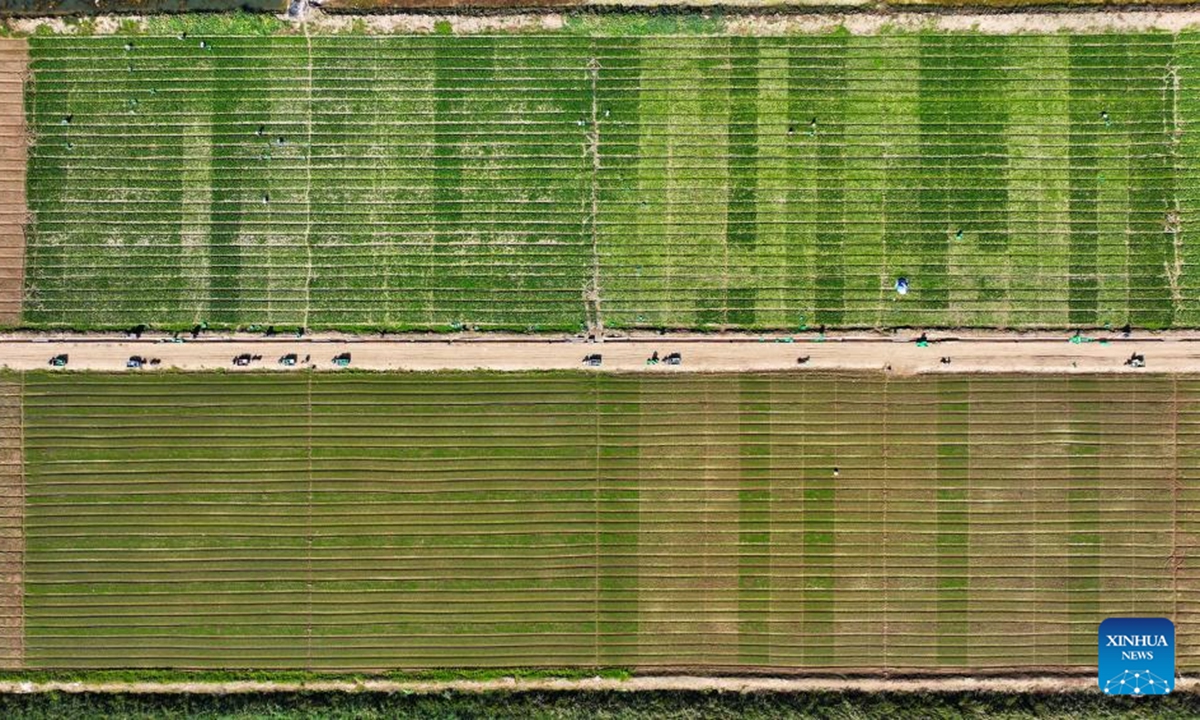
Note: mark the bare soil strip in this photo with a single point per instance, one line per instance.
(14, 64)
(12, 534)
(943, 19)
(898, 355)
(768, 23)
(1049, 683)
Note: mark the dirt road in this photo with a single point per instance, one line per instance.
(900, 355)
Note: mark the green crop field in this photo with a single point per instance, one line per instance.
(549, 182)
(379, 521)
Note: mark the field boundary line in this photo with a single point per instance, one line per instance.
(884, 445)
(21, 400)
(1174, 227)
(1176, 488)
(596, 510)
(596, 322)
(308, 529)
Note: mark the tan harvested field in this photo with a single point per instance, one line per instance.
(14, 64)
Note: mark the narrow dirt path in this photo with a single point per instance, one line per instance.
(899, 354)
(751, 19)
(14, 64)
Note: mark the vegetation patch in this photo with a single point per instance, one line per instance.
(559, 181)
(631, 706)
(433, 522)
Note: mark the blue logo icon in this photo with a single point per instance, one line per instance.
(1137, 656)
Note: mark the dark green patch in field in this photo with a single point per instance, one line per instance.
(740, 306)
(816, 78)
(1153, 215)
(741, 211)
(237, 97)
(457, 69)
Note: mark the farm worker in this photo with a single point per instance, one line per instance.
(958, 235)
(812, 127)
(902, 285)
(1104, 116)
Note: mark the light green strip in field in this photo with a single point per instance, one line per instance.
(1038, 201)
(520, 182)
(380, 521)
